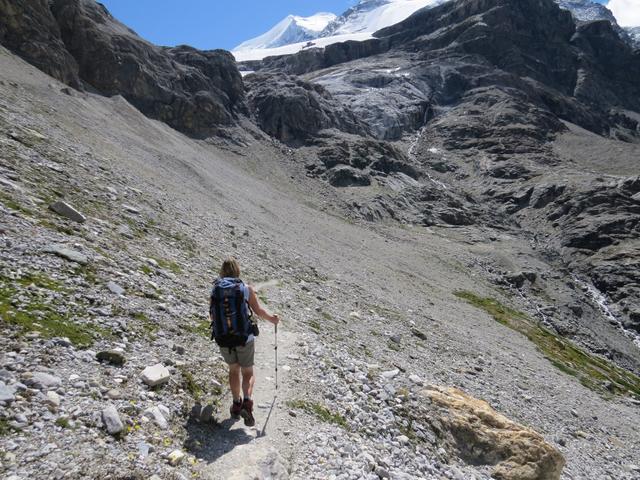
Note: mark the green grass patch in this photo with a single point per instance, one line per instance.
(35, 315)
(168, 265)
(263, 298)
(144, 324)
(592, 371)
(144, 268)
(88, 272)
(387, 312)
(315, 325)
(5, 428)
(409, 432)
(201, 328)
(13, 205)
(190, 385)
(57, 227)
(499, 312)
(320, 411)
(327, 316)
(62, 422)
(40, 280)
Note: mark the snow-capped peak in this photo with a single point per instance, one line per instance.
(358, 23)
(292, 29)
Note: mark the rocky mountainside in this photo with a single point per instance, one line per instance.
(363, 19)
(485, 114)
(484, 164)
(81, 44)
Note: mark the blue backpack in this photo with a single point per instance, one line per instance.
(230, 313)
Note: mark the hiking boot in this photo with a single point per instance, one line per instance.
(247, 413)
(236, 409)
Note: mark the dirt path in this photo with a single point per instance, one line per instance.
(234, 451)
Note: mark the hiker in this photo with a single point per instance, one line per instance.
(231, 306)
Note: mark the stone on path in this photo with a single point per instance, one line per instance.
(155, 375)
(7, 393)
(131, 209)
(113, 357)
(111, 420)
(43, 381)
(176, 457)
(53, 399)
(158, 416)
(67, 254)
(115, 288)
(67, 211)
(389, 374)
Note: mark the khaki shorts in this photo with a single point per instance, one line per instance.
(242, 355)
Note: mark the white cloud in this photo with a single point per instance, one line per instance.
(627, 12)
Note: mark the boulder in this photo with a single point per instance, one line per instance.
(158, 414)
(115, 288)
(53, 400)
(67, 211)
(43, 381)
(67, 254)
(481, 436)
(7, 393)
(113, 357)
(155, 375)
(111, 420)
(176, 457)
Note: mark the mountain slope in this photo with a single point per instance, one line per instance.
(452, 202)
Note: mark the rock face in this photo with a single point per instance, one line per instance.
(293, 110)
(30, 30)
(193, 91)
(482, 436)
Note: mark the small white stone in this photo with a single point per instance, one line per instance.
(155, 375)
(53, 399)
(176, 457)
(389, 374)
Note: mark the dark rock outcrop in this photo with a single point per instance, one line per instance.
(191, 90)
(29, 29)
(293, 110)
(78, 40)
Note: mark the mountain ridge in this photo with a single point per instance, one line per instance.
(367, 16)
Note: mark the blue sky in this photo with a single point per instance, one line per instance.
(208, 24)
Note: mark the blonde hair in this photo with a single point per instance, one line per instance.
(230, 268)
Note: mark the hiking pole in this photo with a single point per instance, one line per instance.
(276, 351)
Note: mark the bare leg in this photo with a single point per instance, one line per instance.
(234, 380)
(248, 379)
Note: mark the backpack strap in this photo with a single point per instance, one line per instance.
(218, 310)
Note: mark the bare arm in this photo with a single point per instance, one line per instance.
(254, 303)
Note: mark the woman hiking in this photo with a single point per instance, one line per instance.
(231, 306)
